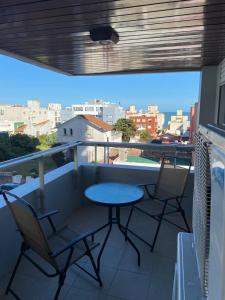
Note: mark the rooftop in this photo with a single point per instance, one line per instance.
(97, 122)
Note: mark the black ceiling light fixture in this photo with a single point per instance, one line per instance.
(104, 35)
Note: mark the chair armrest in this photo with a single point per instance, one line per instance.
(49, 214)
(146, 184)
(72, 243)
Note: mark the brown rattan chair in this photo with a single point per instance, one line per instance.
(169, 192)
(72, 246)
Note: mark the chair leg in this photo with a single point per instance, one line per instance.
(183, 215)
(128, 222)
(60, 285)
(93, 262)
(147, 191)
(62, 274)
(14, 273)
(159, 225)
(92, 238)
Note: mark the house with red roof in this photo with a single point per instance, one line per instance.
(35, 129)
(87, 128)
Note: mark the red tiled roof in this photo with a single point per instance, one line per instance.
(21, 129)
(41, 123)
(97, 122)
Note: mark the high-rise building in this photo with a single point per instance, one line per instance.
(179, 124)
(131, 109)
(54, 114)
(145, 122)
(153, 110)
(193, 121)
(152, 116)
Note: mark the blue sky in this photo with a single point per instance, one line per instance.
(20, 81)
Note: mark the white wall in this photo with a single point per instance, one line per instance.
(82, 130)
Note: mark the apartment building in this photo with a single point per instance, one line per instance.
(179, 124)
(14, 116)
(32, 112)
(54, 114)
(145, 123)
(106, 111)
(151, 120)
(193, 122)
(153, 110)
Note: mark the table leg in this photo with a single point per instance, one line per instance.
(123, 231)
(106, 238)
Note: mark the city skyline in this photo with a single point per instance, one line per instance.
(180, 90)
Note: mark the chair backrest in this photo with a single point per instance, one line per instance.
(28, 225)
(172, 178)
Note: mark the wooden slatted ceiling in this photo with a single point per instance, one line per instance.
(155, 35)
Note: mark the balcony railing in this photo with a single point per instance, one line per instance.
(172, 150)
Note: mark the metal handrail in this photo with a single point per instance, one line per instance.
(41, 154)
(152, 146)
(45, 153)
(37, 155)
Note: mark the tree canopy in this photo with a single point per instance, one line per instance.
(47, 140)
(144, 135)
(127, 127)
(16, 145)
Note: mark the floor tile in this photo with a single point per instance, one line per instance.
(122, 278)
(130, 285)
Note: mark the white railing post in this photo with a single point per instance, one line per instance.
(42, 182)
(105, 154)
(75, 159)
(96, 154)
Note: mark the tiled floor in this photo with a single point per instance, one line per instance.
(122, 278)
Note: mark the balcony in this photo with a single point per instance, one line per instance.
(122, 278)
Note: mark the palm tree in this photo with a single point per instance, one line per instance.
(127, 127)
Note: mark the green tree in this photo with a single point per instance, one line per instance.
(47, 140)
(145, 135)
(127, 127)
(22, 144)
(16, 145)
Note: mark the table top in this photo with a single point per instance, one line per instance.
(114, 194)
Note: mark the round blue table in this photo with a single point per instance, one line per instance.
(114, 196)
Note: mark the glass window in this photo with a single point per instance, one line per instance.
(89, 108)
(71, 131)
(78, 108)
(64, 130)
